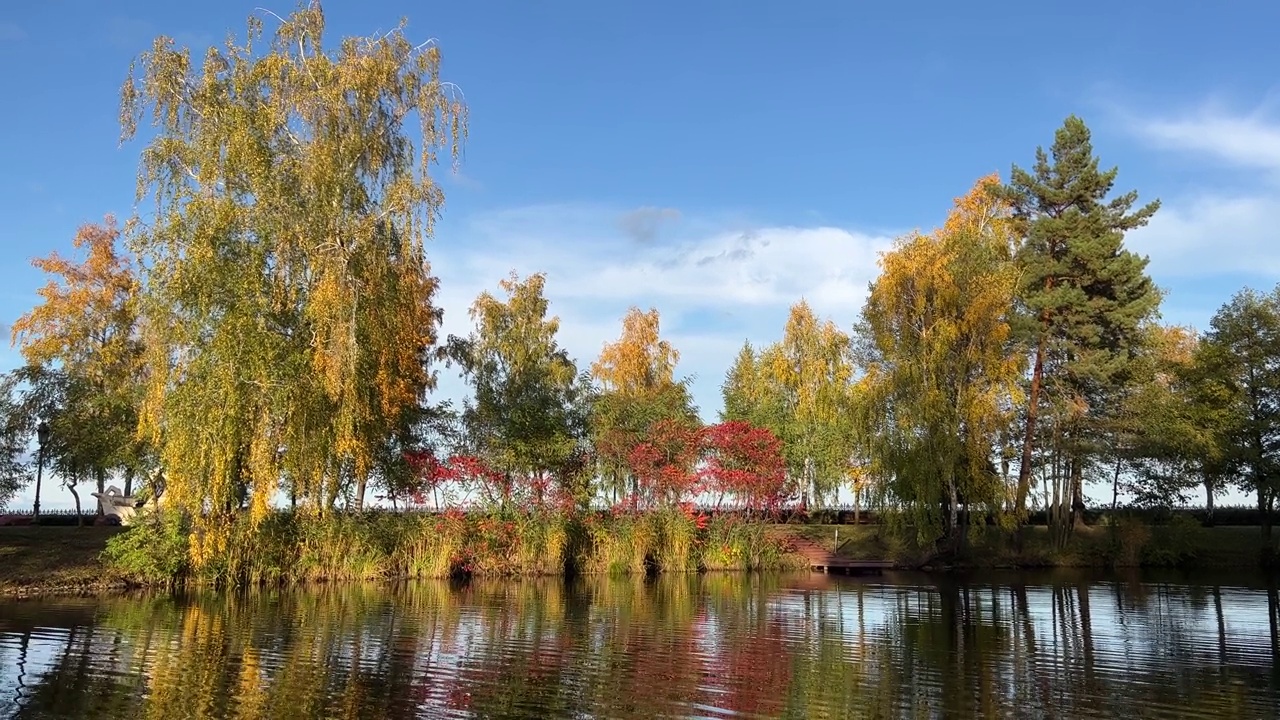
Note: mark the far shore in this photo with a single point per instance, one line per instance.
(67, 561)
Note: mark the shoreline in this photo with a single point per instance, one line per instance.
(43, 562)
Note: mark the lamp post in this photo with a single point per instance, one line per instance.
(42, 436)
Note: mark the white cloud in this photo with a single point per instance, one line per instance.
(1203, 234)
(714, 288)
(1245, 140)
(1205, 231)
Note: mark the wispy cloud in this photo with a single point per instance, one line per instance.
(1248, 140)
(714, 289)
(1205, 230)
(1202, 234)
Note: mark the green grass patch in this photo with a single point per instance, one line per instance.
(38, 560)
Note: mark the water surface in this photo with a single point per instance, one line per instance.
(714, 646)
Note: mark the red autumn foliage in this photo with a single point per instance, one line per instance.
(466, 470)
(744, 461)
(664, 464)
(734, 459)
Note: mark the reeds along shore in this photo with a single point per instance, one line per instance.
(288, 547)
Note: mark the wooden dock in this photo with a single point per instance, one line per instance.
(823, 561)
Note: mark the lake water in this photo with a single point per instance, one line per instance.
(715, 646)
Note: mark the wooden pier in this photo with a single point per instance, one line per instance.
(824, 561)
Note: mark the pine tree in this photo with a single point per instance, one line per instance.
(1085, 296)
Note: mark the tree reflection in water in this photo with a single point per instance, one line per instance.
(748, 645)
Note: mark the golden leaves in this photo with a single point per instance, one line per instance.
(640, 361)
(88, 309)
(290, 294)
(939, 317)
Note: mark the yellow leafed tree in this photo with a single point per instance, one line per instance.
(946, 373)
(83, 338)
(638, 389)
(288, 293)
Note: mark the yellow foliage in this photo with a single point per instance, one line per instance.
(291, 305)
(640, 360)
(948, 373)
(86, 316)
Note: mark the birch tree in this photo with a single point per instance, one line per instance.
(83, 352)
(289, 300)
(526, 417)
(637, 391)
(944, 369)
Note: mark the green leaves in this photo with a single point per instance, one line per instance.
(289, 300)
(526, 418)
(944, 374)
(1242, 352)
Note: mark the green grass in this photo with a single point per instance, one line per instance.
(55, 560)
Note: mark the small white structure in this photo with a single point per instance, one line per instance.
(115, 504)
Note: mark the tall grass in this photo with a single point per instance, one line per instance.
(616, 545)
(288, 547)
(733, 544)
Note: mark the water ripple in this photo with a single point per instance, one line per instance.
(715, 646)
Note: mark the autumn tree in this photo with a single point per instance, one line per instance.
(802, 390)
(16, 429)
(1167, 427)
(1242, 351)
(84, 357)
(744, 461)
(527, 418)
(637, 390)
(938, 320)
(1085, 297)
(664, 463)
(289, 299)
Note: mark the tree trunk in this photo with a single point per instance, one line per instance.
(1028, 439)
(79, 516)
(1208, 500)
(1077, 493)
(953, 511)
(128, 483)
(808, 484)
(361, 483)
(1115, 487)
(1266, 516)
(102, 488)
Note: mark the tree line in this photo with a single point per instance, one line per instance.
(270, 326)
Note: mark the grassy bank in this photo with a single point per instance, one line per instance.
(289, 548)
(295, 548)
(1124, 544)
(56, 560)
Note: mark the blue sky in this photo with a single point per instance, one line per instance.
(719, 160)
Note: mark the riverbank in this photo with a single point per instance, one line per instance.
(56, 561)
(75, 561)
(1176, 544)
